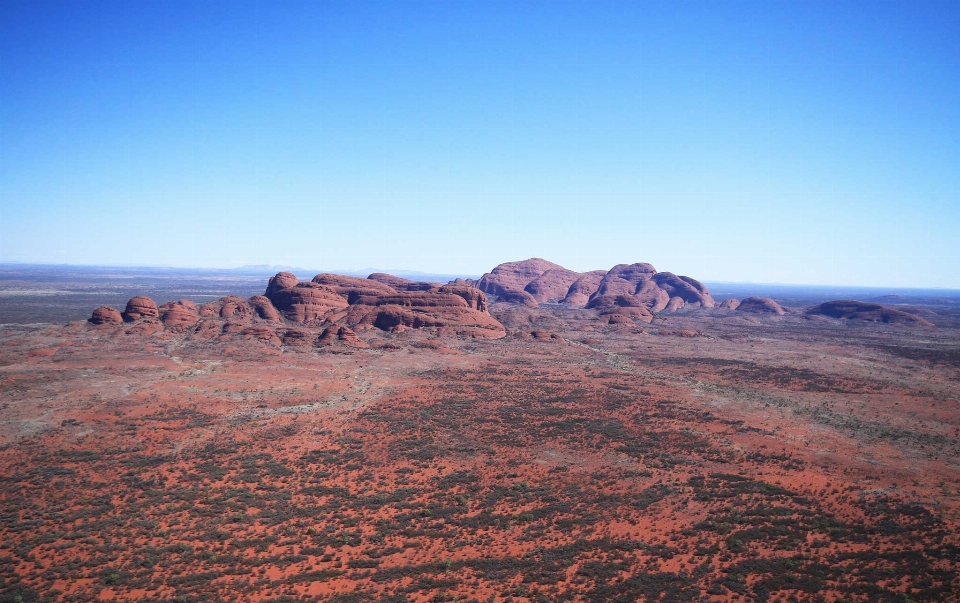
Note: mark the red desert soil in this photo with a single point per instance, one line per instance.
(777, 460)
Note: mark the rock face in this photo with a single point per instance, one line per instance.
(857, 310)
(760, 305)
(139, 307)
(730, 304)
(106, 315)
(307, 302)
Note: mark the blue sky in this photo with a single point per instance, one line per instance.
(796, 142)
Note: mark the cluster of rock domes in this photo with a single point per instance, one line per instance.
(626, 291)
(338, 305)
(331, 308)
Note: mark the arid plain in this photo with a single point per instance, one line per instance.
(495, 449)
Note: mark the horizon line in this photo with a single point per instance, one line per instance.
(355, 271)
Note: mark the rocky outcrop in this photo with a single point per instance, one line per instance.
(729, 304)
(139, 307)
(260, 333)
(345, 335)
(691, 291)
(282, 280)
(625, 279)
(625, 305)
(264, 308)
(760, 305)
(474, 297)
(296, 337)
(183, 313)
(675, 304)
(514, 276)
(235, 307)
(457, 320)
(857, 310)
(106, 315)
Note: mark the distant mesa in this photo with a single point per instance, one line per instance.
(857, 310)
(760, 305)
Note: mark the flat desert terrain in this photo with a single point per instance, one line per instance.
(703, 456)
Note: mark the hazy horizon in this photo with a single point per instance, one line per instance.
(308, 272)
(811, 144)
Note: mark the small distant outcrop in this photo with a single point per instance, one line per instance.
(729, 304)
(760, 305)
(857, 310)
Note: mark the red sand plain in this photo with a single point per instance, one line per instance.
(700, 458)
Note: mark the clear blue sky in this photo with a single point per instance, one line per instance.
(797, 142)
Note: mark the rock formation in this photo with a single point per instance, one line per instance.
(106, 315)
(291, 312)
(760, 305)
(586, 285)
(345, 335)
(553, 285)
(306, 302)
(515, 276)
(730, 304)
(182, 313)
(401, 284)
(140, 306)
(857, 310)
(534, 281)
